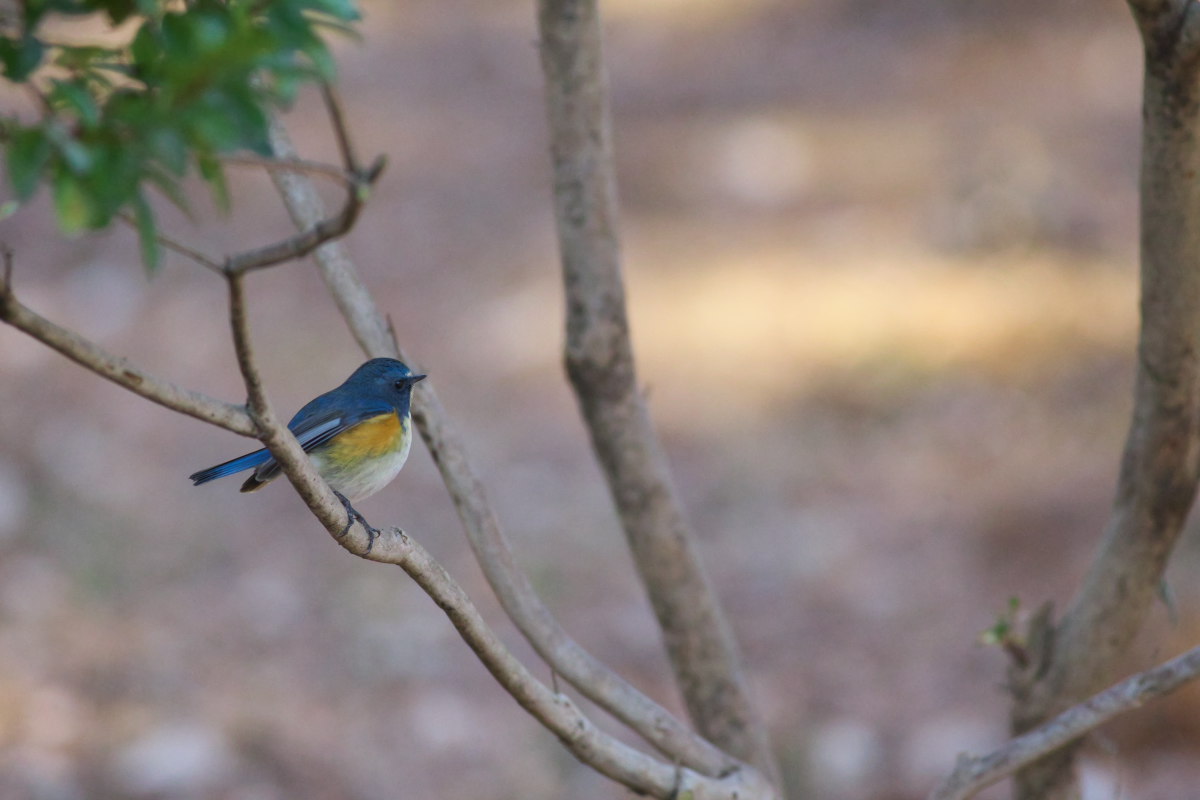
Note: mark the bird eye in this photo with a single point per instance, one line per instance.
(400, 384)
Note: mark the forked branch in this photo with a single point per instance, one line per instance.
(592, 678)
(119, 370)
(973, 774)
(555, 711)
(1160, 466)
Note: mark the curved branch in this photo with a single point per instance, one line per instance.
(973, 774)
(1160, 466)
(520, 601)
(182, 249)
(296, 465)
(555, 711)
(600, 363)
(296, 165)
(349, 292)
(309, 240)
(318, 231)
(116, 369)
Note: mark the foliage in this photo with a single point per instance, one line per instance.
(187, 82)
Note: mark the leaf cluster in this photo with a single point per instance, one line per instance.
(188, 82)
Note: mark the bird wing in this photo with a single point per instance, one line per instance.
(319, 428)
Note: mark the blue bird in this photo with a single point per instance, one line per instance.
(357, 435)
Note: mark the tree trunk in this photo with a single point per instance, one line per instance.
(1159, 469)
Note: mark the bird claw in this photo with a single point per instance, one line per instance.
(352, 516)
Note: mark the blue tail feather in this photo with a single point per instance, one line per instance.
(240, 464)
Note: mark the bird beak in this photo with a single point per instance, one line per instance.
(416, 378)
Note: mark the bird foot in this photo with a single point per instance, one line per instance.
(352, 516)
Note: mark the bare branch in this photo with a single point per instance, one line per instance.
(333, 106)
(309, 240)
(300, 471)
(273, 165)
(1159, 20)
(349, 292)
(599, 360)
(972, 774)
(1161, 462)
(592, 678)
(555, 711)
(172, 244)
(116, 369)
(588, 743)
(318, 231)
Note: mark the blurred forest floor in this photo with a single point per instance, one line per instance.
(882, 265)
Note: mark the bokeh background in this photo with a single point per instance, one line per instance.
(881, 258)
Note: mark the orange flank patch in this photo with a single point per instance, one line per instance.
(375, 437)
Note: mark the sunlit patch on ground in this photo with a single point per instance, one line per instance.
(777, 324)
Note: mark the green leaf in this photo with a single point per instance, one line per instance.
(146, 51)
(114, 177)
(20, 57)
(72, 203)
(150, 8)
(77, 98)
(322, 59)
(336, 25)
(147, 233)
(345, 10)
(119, 10)
(28, 152)
(169, 186)
(169, 147)
(212, 171)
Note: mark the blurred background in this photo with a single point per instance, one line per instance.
(881, 258)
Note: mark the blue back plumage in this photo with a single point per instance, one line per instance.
(379, 386)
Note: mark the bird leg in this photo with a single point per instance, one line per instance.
(352, 516)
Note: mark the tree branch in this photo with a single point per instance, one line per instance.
(973, 774)
(599, 360)
(555, 711)
(116, 369)
(517, 596)
(1161, 462)
(297, 165)
(1159, 21)
(319, 231)
(296, 465)
(350, 294)
(309, 240)
(182, 249)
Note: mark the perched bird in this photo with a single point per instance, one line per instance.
(358, 436)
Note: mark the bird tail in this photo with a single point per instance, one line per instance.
(248, 461)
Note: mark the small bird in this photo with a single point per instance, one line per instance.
(358, 436)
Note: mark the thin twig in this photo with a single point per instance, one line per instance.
(558, 713)
(973, 774)
(318, 231)
(173, 244)
(589, 744)
(306, 241)
(272, 165)
(341, 133)
(115, 368)
(595, 680)
(278, 439)
(353, 298)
